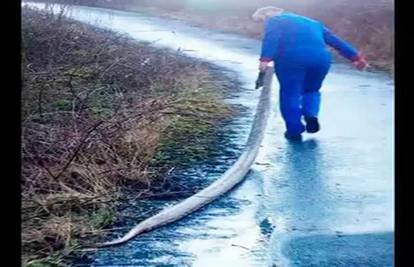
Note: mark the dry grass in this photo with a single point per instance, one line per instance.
(96, 108)
(369, 25)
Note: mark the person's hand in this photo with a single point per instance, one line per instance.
(263, 65)
(360, 63)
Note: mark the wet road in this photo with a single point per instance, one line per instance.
(327, 201)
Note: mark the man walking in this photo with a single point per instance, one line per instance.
(298, 47)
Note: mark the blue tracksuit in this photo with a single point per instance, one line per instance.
(298, 47)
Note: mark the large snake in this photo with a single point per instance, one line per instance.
(227, 181)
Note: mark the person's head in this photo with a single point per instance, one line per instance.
(261, 14)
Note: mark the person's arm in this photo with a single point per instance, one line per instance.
(344, 48)
(269, 43)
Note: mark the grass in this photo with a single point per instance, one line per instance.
(368, 25)
(101, 113)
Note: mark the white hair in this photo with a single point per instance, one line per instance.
(263, 13)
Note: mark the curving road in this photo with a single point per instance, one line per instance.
(328, 201)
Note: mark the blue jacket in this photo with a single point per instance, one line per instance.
(290, 35)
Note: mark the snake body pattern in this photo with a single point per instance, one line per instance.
(234, 175)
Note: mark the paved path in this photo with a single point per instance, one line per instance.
(327, 201)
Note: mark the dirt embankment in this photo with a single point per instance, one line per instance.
(101, 113)
(368, 25)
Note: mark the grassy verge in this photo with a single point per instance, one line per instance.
(369, 25)
(101, 113)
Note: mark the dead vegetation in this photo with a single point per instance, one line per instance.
(369, 25)
(97, 112)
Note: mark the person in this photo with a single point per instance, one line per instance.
(298, 47)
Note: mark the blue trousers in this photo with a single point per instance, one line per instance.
(300, 78)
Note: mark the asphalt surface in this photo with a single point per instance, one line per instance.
(327, 201)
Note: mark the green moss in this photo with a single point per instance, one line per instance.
(42, 264)
(102, 218)
(62, 104)
(84, 72)
(52, 261)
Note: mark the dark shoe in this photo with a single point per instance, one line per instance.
(312, 124)
(293, 137)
